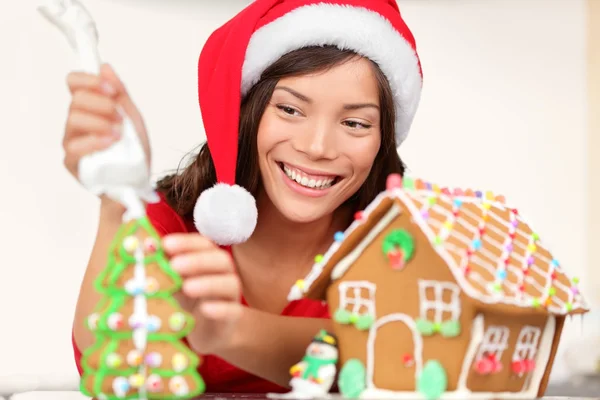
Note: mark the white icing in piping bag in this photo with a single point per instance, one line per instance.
(120, 171)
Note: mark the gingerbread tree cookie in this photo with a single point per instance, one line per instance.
(139, 326)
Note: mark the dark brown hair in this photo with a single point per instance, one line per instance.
(182, 188)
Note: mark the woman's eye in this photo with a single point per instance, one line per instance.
(288, 110)
(356, 125)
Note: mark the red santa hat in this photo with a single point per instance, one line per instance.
(236, 55)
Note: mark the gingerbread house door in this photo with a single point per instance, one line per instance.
(394, 353)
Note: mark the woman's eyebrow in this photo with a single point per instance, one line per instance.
(295, 93)
(360, 105)
(306, 99)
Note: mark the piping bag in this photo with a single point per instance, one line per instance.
(120, 171)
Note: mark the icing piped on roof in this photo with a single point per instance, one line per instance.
(492, 252)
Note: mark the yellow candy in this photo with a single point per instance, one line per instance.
(151, 285)
(448, 225)
(131, 243)
(487, 206)
(176, 321)
(436, 188)
(300, 284)
(114, 360)
(532, 247)
(136, 380)
(179, 362)
(489, 195)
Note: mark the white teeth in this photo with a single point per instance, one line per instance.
(304, 180)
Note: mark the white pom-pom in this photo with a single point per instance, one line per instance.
(226, 214)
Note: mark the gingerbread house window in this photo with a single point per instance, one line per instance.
(495, 341)
(358, 297)
(527, 343)
(439, 301)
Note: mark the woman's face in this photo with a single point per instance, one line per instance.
(318, 138)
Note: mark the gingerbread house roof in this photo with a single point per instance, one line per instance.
(491, 251)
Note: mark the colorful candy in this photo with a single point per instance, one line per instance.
(153, 323)
(178, 386)
(113, 360)
(115, 321)
(134, 358)
(154, 383)
(151, 285)
(153, 359)
(136, 380)
(179, 362)
(121, 386)
(131, 244)
(176, 321)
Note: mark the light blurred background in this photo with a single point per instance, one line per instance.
(510, 103)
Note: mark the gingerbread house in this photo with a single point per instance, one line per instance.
(446, 293)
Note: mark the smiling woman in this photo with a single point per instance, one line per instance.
(319, 114)
(304, 103)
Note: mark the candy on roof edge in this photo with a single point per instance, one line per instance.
(395, 181)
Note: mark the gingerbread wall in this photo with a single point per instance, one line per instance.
(397, 292)
(510, 329)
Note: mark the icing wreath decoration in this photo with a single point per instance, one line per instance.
(361, 322)
(399, 247)
(450, 328)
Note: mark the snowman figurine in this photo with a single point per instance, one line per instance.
(314, 375)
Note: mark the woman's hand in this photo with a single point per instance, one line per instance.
(93, 122)
(211, 290)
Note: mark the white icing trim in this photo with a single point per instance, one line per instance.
(476, 338)
(417, 342)
(437, 304)
(345, 263)
(358, 300)
(360, 29)
(495, 341)
(526, 347)
(140, 310)
(543, 356)
(444, 251)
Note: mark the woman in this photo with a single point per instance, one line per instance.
(301, 132)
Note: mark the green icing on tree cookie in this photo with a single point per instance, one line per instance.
(432, 381)
(352, 379)
(114, 369)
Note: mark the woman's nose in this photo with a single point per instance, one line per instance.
(318, 142)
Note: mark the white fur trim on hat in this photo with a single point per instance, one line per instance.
(354, 28)
(226, 214)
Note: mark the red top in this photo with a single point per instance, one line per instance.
(220, 376)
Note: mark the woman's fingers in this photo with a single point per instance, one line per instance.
(96, 104)
(77, 81)
(179, 243)
(214, 261)
(211, 287)
(220, 310)
(80, 123)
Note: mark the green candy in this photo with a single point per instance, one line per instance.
(352, 379)
(433, 381)
(364, 322)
